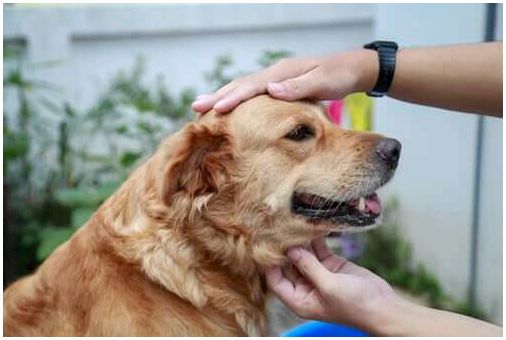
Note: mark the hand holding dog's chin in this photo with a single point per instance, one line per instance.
(325, 287)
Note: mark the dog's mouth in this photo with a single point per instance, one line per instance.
(358, 212)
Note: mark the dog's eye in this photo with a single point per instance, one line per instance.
(300, 133)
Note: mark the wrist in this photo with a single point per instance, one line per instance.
(389, 318)
(367, 70)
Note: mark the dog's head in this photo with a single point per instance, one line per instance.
(273, 174)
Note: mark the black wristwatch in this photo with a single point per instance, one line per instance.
(387, 51)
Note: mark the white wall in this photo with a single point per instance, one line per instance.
(435, 178)
(180, 41)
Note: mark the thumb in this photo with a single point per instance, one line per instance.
(305, 86)
(309, 266)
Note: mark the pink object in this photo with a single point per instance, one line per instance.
(373, 204)
(335, 111)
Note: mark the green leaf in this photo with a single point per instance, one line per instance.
(10, 52)
(128, 158)
(143, 102)
(107, 189)
(122, 129)
(16, 79)
(15, 145)
(145, 127)
(50, 239)
(77, 197)
(81, 216)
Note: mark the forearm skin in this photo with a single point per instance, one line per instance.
(464, 78)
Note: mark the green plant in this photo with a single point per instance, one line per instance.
(91, 175)
(27, 185)
(54, 178)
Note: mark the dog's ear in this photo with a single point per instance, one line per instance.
(201, 162)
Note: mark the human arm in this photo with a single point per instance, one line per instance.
(329, 288)
(458, 77)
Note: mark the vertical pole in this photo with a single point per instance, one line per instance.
(488, 36)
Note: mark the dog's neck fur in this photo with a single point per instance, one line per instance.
(183, 250)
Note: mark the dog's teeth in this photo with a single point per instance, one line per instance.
(361, 204)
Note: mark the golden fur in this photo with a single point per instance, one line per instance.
(181, 247)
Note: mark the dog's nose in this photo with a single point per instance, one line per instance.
(389, 150)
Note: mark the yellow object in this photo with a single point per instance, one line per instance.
(359, 106)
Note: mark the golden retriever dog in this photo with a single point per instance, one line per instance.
(181, 247)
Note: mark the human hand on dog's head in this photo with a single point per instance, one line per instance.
(320, 285)
(328, 77)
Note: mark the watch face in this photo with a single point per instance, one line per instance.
(381, 43)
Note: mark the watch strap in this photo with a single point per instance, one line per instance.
(387, 55)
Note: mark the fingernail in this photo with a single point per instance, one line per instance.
(199, 102)
(202, 96)
(199, 106)
(277, 87)
(294, 253)
(220, 105)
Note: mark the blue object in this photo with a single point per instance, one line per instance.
(318, 328)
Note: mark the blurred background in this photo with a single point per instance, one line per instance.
(90, 90)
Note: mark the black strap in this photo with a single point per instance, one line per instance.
(387, 52)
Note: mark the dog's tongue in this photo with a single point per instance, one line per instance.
(373, 204)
